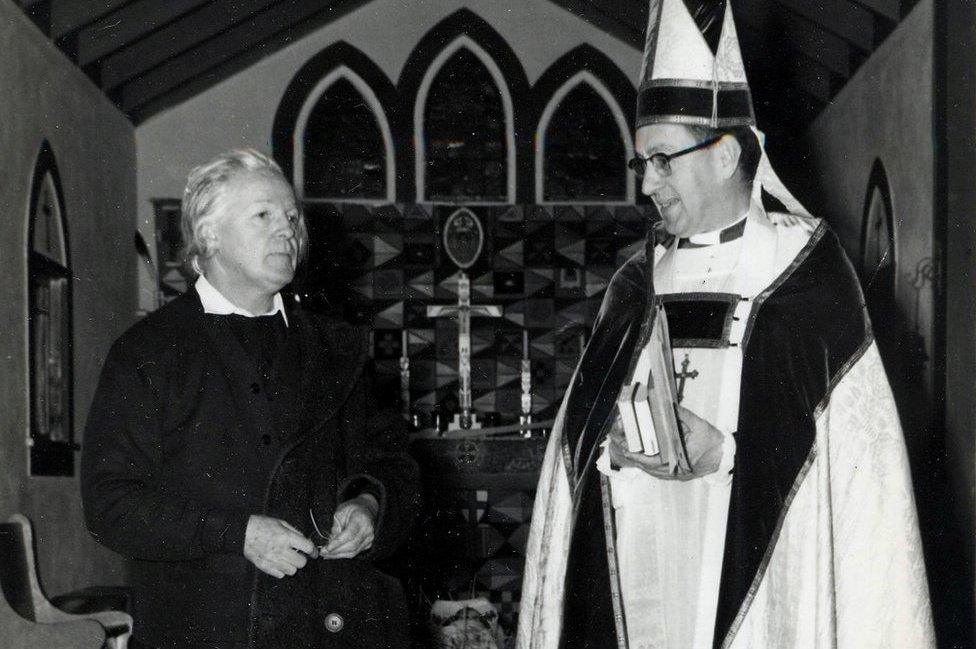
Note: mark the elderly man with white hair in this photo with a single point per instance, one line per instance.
(234, 452)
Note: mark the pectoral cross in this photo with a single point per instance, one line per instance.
(464, 312)
(683, 376)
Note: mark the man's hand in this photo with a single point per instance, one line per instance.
(353, 527)
(275, 547)
(703, 446)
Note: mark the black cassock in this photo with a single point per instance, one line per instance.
(187, 437)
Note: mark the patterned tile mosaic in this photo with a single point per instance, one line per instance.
(547, 266)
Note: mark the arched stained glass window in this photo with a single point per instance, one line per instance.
(344, 152)
(465, 134)
(49, 316)
(584, 158)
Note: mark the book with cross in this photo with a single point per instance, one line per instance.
(647, 402)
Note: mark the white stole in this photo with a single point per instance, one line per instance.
(671, 534)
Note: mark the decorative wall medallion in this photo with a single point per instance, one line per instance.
(463, 238)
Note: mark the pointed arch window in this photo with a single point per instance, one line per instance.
(582, 147)
(346, 144)
(466, 130)
(49, 319)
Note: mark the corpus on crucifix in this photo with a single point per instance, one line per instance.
(463, 240)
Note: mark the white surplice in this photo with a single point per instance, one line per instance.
(670, 534)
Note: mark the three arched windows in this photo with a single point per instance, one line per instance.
(464, 137)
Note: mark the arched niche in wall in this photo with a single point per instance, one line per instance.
(878, 251)
(51, 438)
(336, 131)
(581, 113)
(896, 324)
(583, 145)
(463, 66)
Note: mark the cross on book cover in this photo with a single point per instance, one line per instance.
(647, 402)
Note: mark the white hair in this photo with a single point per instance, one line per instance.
(203, 193)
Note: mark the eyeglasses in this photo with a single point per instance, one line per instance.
(662, 161)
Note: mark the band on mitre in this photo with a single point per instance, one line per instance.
(696, 103)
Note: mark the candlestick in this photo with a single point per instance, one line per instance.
(405, 377)
(525, 418)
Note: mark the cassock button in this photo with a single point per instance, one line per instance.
(334, 622)
(266, 439)
(255, 388)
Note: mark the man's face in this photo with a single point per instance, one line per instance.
(688, 197)
(256, 236)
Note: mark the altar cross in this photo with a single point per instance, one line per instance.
(464, 311)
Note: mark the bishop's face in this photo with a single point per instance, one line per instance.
(256, 236)
(689, 197)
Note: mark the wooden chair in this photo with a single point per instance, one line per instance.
(33, 620)
(19, 633)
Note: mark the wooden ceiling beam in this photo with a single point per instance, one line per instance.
(829, 50)
(192, 30)
(890, 9)
(127, 25)
(813, 78)
(218, 57)
(753, 12)
(853, 23)
(603, 17)
(69, 16)
(631, 13)
(787, 97)
(39, 13)
(755, 45)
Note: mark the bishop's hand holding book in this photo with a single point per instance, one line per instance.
(653, 432)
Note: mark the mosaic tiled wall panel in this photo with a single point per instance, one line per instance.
(471, 538)
(546, 266)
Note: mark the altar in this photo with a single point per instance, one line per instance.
(479, 471)
(474, 523)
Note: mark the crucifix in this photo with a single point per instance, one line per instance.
(683, 375)
(463, 240)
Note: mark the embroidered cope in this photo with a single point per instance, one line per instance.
(811, 542)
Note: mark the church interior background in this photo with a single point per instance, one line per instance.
(390, 117)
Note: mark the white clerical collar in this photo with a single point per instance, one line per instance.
(724, 234)
(214, 302)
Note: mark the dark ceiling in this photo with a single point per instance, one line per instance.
(147, 55)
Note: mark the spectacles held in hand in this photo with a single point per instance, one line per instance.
(319, 549)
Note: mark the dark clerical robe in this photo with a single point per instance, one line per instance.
(818, 542)
(188, 436)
